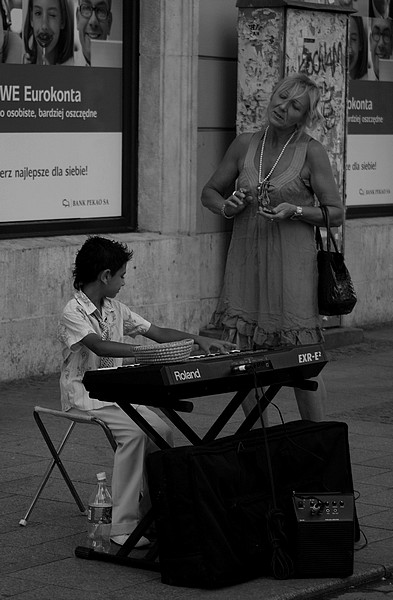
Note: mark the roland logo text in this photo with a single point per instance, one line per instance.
(186, 375)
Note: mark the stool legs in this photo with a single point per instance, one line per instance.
(56, 461)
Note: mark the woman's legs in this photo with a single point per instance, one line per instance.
(312, 404)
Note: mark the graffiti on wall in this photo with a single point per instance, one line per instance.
(316, 43)
(261, 52)
(320, 58)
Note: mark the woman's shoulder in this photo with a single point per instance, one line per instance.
(314, 146)
(248, 135)
(239, 146)
(317, 156)
(243, 140)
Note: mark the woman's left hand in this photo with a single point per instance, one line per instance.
(278, 213)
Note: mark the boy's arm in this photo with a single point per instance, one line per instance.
(207, 344)
(93, 342)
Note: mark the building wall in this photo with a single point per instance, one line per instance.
(179, 249)
(217, 92)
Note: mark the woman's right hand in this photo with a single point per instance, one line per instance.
(237, 202)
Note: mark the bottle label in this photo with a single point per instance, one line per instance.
(99, 514)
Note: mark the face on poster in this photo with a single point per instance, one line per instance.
(61, 109)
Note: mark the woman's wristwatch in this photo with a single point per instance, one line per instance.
(298, 213)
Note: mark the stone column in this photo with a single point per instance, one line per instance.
(168, 116)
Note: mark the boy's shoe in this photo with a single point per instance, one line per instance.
(121, 539)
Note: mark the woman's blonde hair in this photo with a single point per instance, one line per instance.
(297, 85)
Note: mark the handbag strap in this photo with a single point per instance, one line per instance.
(329, 237)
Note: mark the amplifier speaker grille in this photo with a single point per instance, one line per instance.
(324, 537)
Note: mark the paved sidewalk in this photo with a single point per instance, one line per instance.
(38, 561)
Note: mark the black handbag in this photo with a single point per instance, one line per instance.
(336, 294)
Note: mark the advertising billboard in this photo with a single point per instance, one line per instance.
(370, 116)
(62, 124)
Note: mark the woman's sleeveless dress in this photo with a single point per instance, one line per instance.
(269, 296)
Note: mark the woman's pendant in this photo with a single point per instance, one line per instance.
(263, 195)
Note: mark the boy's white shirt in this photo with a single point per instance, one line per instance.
(81, 317)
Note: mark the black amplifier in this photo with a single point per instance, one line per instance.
(324, 534)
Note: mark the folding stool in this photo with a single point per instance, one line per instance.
(75, 416)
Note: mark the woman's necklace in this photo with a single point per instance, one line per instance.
(263, 184)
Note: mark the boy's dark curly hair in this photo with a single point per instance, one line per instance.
(96, 255)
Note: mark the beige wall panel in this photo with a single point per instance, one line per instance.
(212, 146)
(29, 347)
(213, 252)
(368, 252)
(217, 27)
(208, 307)
(216, 93)
(162, 271)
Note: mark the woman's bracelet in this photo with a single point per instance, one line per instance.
(224, 214)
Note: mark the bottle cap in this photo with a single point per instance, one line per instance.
(101, 476)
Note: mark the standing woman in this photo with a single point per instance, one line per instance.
(269, 296)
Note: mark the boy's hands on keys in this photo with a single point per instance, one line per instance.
(212, 345)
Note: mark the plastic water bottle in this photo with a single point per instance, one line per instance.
(99, 516)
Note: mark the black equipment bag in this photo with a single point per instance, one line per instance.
(220, 521)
